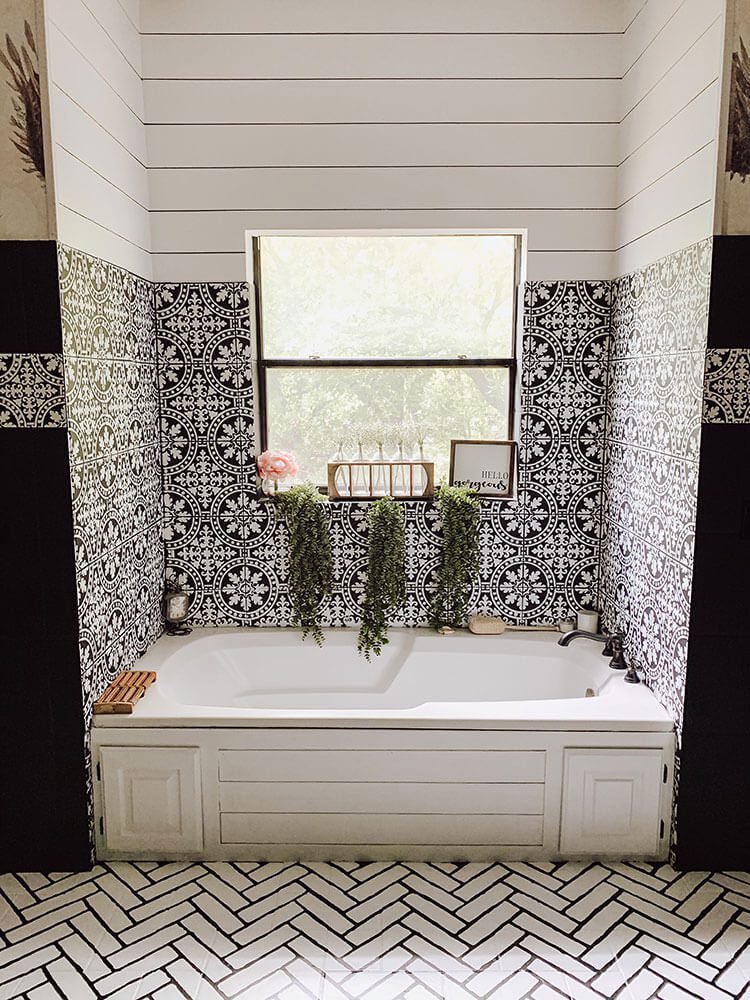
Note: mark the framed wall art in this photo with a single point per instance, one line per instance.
(487, 467)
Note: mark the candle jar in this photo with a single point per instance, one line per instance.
(176, 610)
(588, 621)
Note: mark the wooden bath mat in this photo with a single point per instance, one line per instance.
(124, 692)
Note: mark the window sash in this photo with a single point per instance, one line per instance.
(262, 363)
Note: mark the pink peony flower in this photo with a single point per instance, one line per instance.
(276, 465)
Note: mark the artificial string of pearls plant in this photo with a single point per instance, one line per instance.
(384, 590)
(310, 557)
(459, 560)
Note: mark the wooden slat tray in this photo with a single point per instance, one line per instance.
(124, 692)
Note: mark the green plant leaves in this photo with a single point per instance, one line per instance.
(385, 574)
(310, 556)
(459, 510)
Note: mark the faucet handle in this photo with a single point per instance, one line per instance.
(614, 647)
(613, 643)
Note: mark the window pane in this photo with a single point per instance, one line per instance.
(387, 296)
(310, 412)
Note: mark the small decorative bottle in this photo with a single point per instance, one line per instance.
(361, 477)
(341, 476)
(379, 469)
(420, 476)
(400, 472)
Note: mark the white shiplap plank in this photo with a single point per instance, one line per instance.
(385, 798)
(653, 17)
(298, 101)
(687, 132)
(115, 20)
(570, 265)
(80, 232)
(77, 132)
(381, 145)
(94, 45)
(692, 227)
(630, 10)
(379, 56)
(82, 190)
(696, 71)
(346, 828)
(690, 22)
(541, 266)
(76, 78)
(690, 184)
(299, 16)
(132, 10)
(219, 232)
(199, 266)
(377, 187)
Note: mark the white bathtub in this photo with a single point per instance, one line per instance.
(253, 745)
(520, 680)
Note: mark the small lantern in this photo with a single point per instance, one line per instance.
(176, 610)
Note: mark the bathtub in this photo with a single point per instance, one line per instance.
(520, 680)
(255, 745)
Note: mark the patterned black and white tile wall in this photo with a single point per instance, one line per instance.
(112, 406)
(726, 386)
(659, 326)
(32, 390)
(539, 553)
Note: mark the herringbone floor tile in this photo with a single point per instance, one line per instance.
(375, 932)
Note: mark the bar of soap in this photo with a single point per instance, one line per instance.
(486, 625)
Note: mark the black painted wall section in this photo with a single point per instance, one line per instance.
(713, 810)
(42, 773)
(30, 295)
(714, 802)
(43, 813)
(728, 320)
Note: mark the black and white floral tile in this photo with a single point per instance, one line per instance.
(726, 387)
(32, 390)
(659, 327)
(539, 553)
(112, 405)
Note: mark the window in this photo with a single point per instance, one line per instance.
(388, 332)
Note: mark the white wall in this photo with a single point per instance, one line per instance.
(670, 94)
(408, 113)
(98, 135)
(593, 123)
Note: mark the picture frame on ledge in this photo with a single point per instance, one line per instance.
(486, 467)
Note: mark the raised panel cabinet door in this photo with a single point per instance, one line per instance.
(611, 802)
(152, 798)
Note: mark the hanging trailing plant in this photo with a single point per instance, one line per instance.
(459, 561)
(385, 574)
(310, 558)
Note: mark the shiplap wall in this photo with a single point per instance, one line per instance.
(426, 113)
(593, 123)
(670, 93)
(98, 133)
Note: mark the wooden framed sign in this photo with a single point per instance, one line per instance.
(487, 467)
